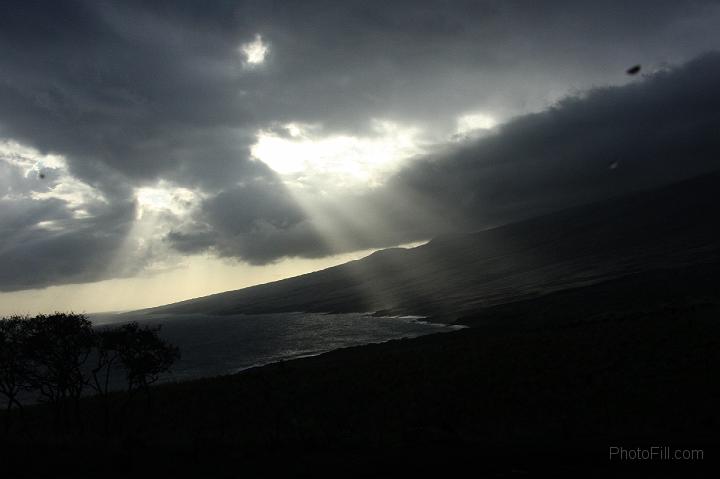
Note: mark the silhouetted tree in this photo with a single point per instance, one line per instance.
(108, 343)
(14, 365)
(144, 355)
(50, 354)
(59, 345)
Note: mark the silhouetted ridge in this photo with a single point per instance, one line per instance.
(661, 228)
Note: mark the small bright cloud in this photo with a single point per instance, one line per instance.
(341, 160)
(473, 122)
(254, 51)
(164, 197)
(76, 194)
(51, 225)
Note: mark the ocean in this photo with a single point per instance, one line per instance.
(214, 345)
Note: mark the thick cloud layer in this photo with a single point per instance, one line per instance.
(152, 91)
(33, 256)
(602, 143)
(131, 95)
(597, 144)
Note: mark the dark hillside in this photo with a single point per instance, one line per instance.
(664, 228)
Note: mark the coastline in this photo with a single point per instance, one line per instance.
(214, 345)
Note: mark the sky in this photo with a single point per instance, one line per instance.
(157, 151)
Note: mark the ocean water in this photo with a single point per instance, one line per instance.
(214, 345)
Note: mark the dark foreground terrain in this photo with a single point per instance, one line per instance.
(545, 385)
(591, 328)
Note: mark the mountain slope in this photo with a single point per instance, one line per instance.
(669, 227)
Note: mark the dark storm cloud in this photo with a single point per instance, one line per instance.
(598, 144)
(135, 92)
(81, 250)
(591, 146)
(255, 221)
(122, 88)
(423, 62)
(146, 89)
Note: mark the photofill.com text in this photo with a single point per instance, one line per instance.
(655, 453)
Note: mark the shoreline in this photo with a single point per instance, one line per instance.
(445, 328)
(378, 329)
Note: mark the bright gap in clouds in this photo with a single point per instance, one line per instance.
(475, 121)
(164, 197)
(305, 158)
